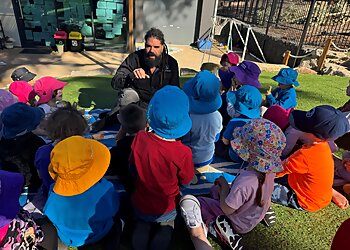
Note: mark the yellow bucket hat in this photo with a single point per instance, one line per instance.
(77, 164)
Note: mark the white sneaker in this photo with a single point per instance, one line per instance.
(191, 211)
(226, 233)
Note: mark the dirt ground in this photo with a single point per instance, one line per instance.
(100, 62)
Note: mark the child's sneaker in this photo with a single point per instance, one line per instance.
(225, 232)
(270, 218)
(191, 211)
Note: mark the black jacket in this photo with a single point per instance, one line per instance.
(124, 76)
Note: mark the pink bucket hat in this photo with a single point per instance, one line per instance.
(232, 57)
(23, 90)
(278, 115)
(46, 86)
(260, 142)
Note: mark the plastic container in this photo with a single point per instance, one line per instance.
(60, 37)
(204, 44)
(75, 40)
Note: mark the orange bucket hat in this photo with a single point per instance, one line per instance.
(77, 164)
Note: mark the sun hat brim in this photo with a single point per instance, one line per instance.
(202, 107)
(171, 133)
(284, 80)
(244, 78)
(74, 186)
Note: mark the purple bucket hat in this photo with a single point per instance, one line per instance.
(260, 142)
(6, 100)
(247, 73)
(10, 189)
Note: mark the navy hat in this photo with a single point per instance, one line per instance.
(287, 76)
(19, 119)
(325, 122)
(203, 91)
(168, 113)
(132, 118)
(22, 74)
(246, 101)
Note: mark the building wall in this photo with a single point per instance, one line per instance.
(177, 19)
(8, 20)
(207, 14)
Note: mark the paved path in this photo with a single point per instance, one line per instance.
(96, 62)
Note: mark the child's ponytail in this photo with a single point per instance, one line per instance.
(259, 201)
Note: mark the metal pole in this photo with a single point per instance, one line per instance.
(229, 40)
(279, 13)
(214, 19)
(93, 24)
(272, 13)
(306, 26)
(246, 43)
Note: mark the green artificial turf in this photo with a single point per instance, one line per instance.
(293, 229)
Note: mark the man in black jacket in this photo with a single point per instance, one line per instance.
(141, 74)
(149, 69)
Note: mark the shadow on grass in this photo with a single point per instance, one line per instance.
(98, 98)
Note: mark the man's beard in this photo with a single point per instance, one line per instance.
(150, 62)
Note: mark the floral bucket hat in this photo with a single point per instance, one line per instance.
(260, 142)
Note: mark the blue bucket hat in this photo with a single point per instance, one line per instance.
(246, 101)
(287, 76)
(19, 119)
(203, 91)
(324, 121)
(167, 119)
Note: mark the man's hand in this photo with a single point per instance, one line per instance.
(140, 74)
(268, 92)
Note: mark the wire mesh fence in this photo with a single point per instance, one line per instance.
(288, 19)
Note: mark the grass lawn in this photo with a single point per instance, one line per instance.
(293, 230)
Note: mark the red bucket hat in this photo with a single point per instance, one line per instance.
(46, 86)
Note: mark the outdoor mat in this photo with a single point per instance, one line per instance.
(205, 176)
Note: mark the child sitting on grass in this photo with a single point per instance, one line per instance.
(18, 143)
(246, 101)
(132, 119)
(61, 124)
(295, 138)
(259, 142)
(203, 92)
(81, 203)
(227, 60)
(160, 163)
(310, 170)
(50, 92)
(246, 73)
(285, 94)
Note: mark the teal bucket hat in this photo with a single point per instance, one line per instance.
(168, 113)
(287, 76)
(203, 92)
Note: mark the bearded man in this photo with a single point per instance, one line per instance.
(148, 69)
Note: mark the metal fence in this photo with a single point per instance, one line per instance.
(305, 22)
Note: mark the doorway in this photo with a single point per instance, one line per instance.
(101, 22)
